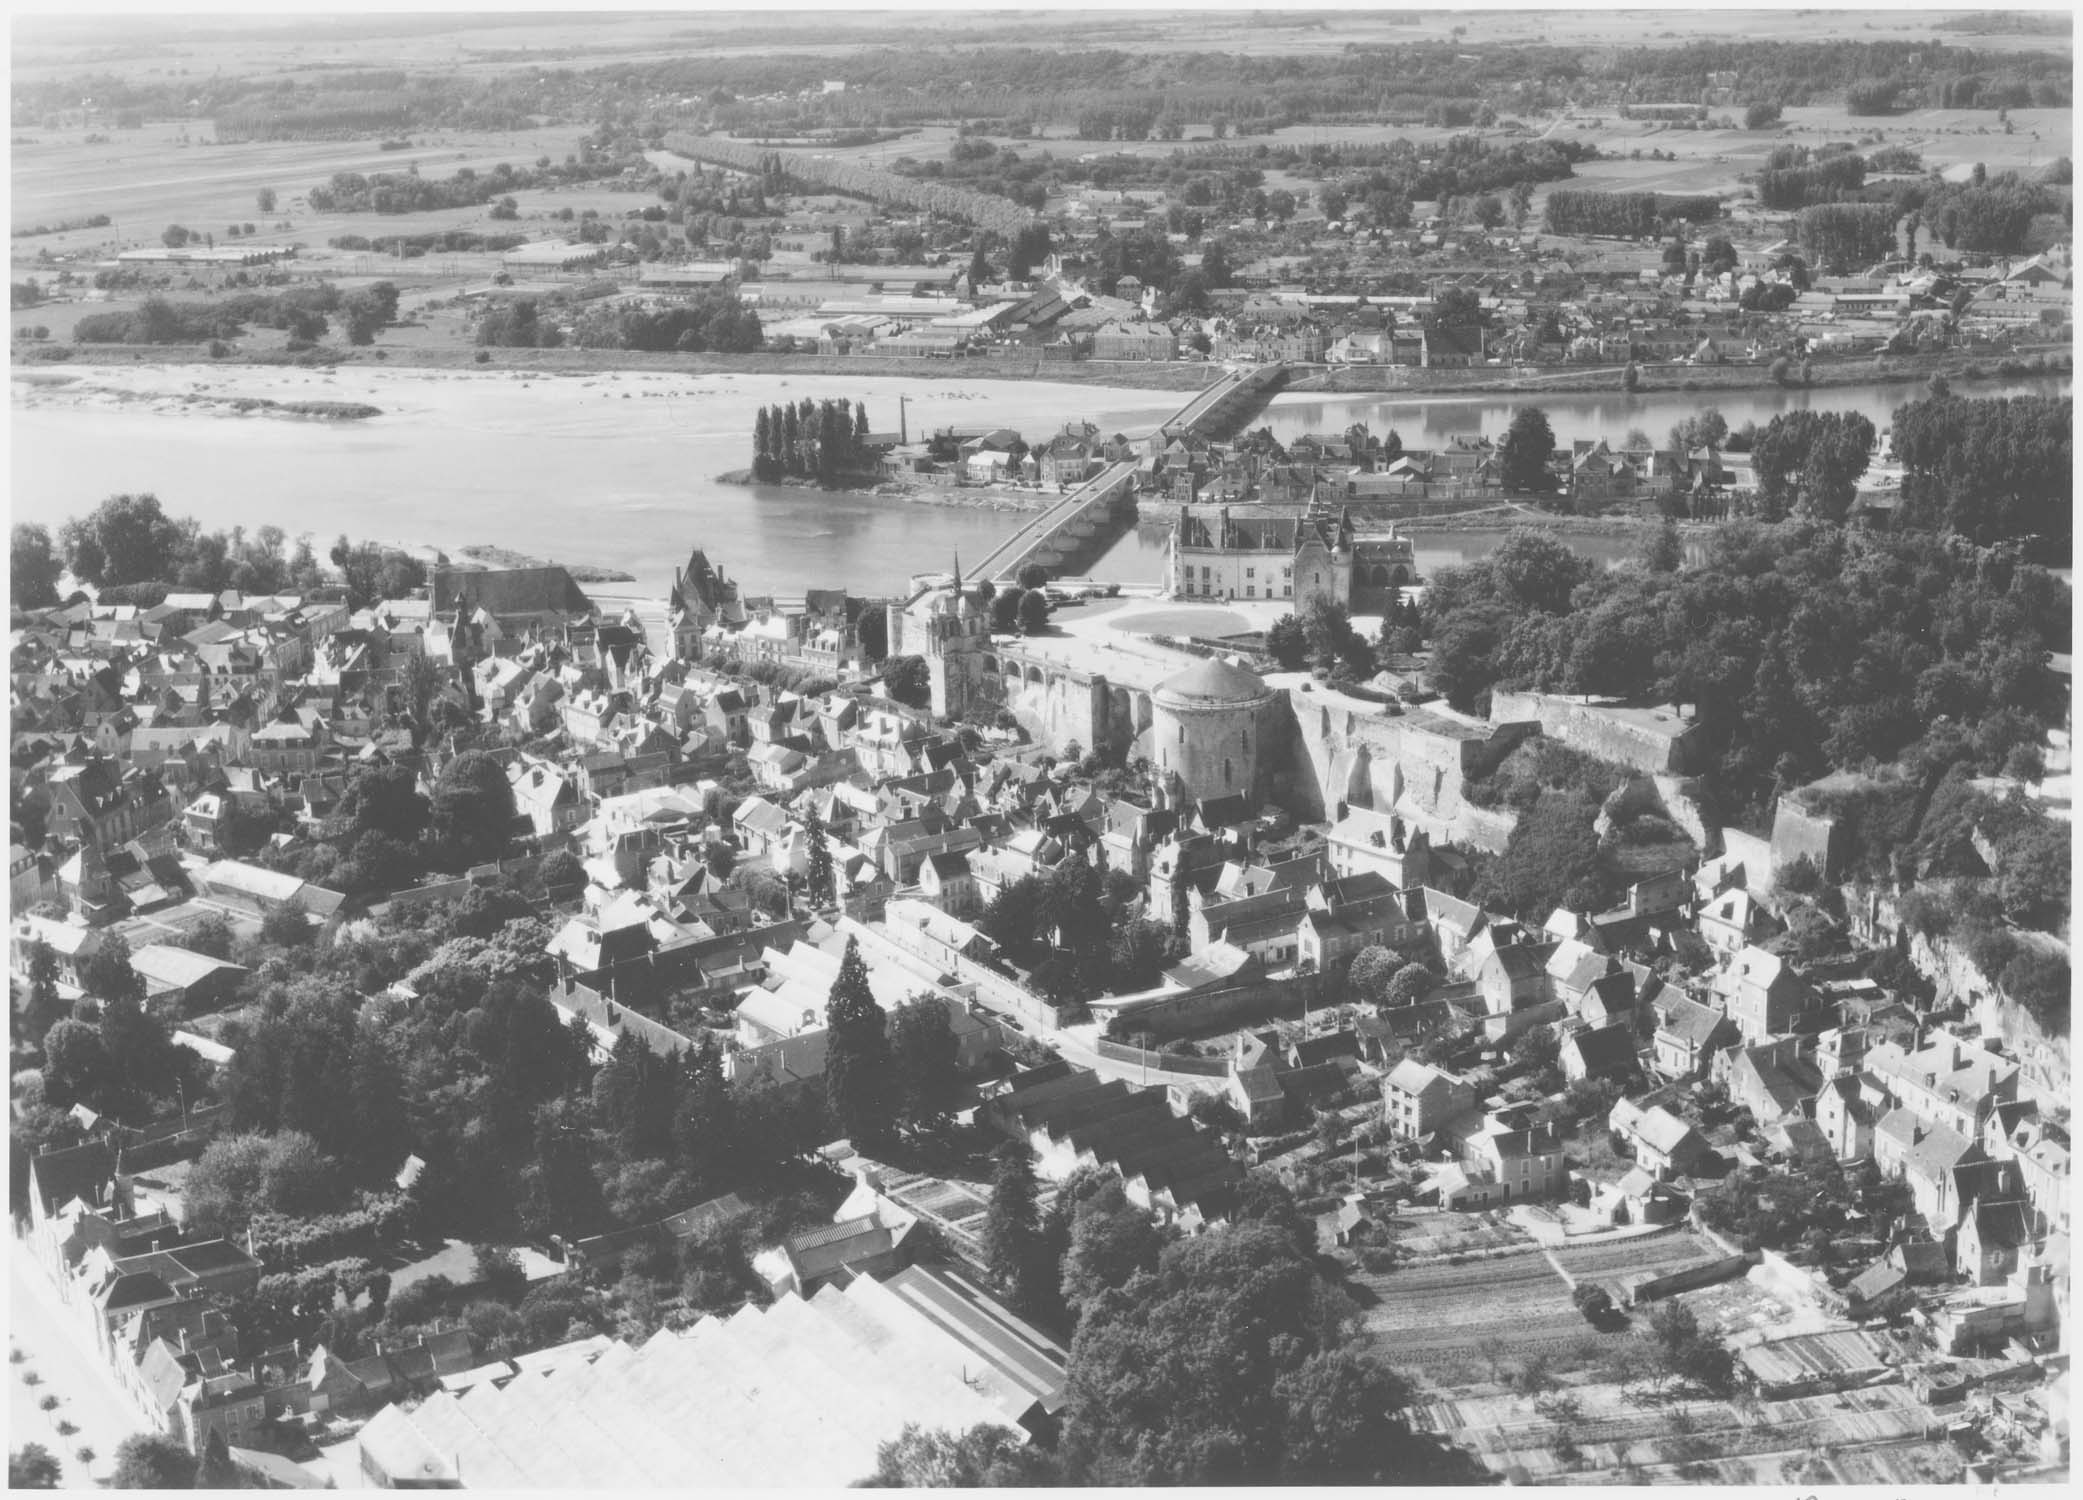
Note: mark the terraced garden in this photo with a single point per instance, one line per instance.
(1610, 1262)
(1436, 1321)
(1592, 1433)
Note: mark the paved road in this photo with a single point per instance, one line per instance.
(57, 1350)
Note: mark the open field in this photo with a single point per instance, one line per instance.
(146, 46)
(175, 173)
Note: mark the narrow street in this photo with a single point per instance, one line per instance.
(56, 1349)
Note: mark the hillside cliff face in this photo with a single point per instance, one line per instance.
(2042, 1054)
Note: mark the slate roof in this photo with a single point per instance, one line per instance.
(1927, 1150)
(1690, 1020)
(510, 591)
(2007, 1225)
(178, 968)
(82, 1172)
(1209, 683)
(1608, 1049)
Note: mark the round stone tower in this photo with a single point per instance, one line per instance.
(1206, 726)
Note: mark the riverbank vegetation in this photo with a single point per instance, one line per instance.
(132, 552)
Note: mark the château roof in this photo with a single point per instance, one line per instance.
(1210, 684)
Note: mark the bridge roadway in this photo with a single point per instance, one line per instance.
(1006, 559)
(1214, 395)
(1044, 527)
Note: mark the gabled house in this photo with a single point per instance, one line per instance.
(1663, 1144)
(1733, 920)
(1774, 1081)
(1688, 1035)
(1501, 1156)
(760, 825)
(1846, 1109)
(1925, 1156)
(1514, 985)
(1991, 1239)
(1604, 1052)
(1760, 993)
(945, 880)
(1417, 1098)
(1364, 841)
(1950, 1082)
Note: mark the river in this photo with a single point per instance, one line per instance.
(618, 470)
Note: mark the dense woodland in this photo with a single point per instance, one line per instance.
(713, 319)
(1914, 656)
(1629, 215)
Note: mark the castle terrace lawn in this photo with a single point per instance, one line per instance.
(1213, 624)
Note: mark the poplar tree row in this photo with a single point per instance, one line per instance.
(821, 440)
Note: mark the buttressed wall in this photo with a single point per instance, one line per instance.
(1414, 763)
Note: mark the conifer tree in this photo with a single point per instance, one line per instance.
(762, 438)
(215, 1471)
(43, 1010)
(823, 885)
(705, 1120)
(617, 1086)
(860, 426)
(857, 1056)
(1014, 1248)
(831, 446)
(791, 440)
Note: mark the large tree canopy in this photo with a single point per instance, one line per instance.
(1226, 1364)
(1802, 647)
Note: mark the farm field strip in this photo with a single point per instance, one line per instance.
(1445, 1311)
(1660, 1252)
(1887, 1415)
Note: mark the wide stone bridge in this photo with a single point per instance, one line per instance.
(1056, 536)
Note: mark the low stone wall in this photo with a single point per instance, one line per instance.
(1164, 1063)
(1218, 1008)
(1591, 728)
(1686, 1279)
